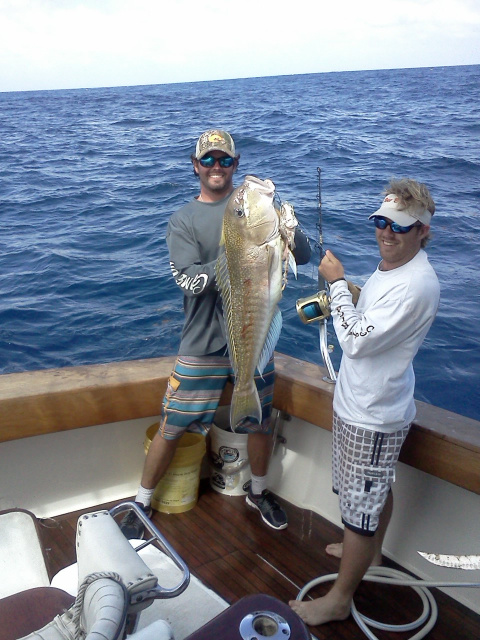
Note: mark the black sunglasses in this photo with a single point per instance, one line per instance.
(209, 161)
(382, 223)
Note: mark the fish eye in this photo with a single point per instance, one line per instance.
(239, 212)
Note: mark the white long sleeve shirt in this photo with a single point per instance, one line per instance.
(379, 339)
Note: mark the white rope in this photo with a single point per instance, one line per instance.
(76, 609)
(384, 575)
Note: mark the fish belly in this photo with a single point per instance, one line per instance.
(255, 292)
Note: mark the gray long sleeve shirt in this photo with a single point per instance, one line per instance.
(193, 239)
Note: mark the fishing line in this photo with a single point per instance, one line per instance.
(322, 285)
(316, 307)
(385, 575)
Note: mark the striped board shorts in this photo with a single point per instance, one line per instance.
(363, 471)
(193, 393)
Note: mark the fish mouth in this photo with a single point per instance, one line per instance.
(257, 184)
(267, 223)
(264, 188)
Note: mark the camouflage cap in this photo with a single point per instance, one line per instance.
(215, 140)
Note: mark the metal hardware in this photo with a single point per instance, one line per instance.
(156, 538)
(264, 624)
(314, 307)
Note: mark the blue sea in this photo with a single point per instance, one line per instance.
(89, 178)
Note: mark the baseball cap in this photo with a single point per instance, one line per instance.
(215, 140)
(393, 209)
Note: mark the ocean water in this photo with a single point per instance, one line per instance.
(89, 178)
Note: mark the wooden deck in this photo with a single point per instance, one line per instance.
(228, 548)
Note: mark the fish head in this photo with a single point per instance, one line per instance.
(250, 211)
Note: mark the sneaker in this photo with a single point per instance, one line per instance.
(131, 526)
(272, 513)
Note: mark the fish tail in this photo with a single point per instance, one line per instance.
(245, 405)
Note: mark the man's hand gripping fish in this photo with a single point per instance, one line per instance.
(250, 275)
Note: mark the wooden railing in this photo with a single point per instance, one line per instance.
(33, 403)
(440, 442)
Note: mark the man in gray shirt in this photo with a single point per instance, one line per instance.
(202, 367)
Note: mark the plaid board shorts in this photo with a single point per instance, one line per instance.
(193, 393)
(363, 471)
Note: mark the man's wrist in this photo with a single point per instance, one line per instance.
(330, 282)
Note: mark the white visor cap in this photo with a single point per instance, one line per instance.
(404, 216)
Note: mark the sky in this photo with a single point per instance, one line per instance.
(64, 44)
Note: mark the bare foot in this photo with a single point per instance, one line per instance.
(321, 610)
(336, 549)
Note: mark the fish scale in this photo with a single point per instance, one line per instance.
(249, 275)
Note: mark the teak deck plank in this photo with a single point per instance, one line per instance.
(230, 550)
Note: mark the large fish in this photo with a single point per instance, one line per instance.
(250, 275)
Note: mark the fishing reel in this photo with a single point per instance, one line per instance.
(314, 307)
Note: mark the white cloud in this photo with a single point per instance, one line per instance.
(73, 43)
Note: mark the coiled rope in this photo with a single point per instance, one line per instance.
(76, 609)
(386, 575)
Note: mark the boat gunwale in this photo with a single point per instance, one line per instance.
(32, 403)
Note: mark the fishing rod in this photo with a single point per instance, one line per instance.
(317, 306)
(322, 286)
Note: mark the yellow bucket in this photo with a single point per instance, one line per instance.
(177, 491)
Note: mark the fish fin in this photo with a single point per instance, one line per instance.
(221, 273)
(270, 341)
(292, 264)
(223, 282)
(245, 405)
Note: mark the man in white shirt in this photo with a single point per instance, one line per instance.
(373, 401)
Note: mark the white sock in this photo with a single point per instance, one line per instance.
(259, 483)
(144, 496)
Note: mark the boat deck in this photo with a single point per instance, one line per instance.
(228, 548)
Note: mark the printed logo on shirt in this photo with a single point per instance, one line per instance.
(196, 285)
(345, 325)
(361, 334)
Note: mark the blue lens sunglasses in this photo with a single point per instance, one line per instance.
(209, 161)
(382, 223)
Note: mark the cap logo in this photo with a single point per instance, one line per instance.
(215, 140)
(215, 137)
(403, 215)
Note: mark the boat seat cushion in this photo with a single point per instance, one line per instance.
(103, 604)
(158, 630)
(103, 615)
(22, 564)
(101, 547)
(104, 610)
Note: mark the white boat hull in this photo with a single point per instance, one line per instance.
(71, 470)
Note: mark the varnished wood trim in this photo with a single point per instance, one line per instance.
(301, 391)
(441, 443)
(39, 402)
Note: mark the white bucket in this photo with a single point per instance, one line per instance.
(229, 466)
